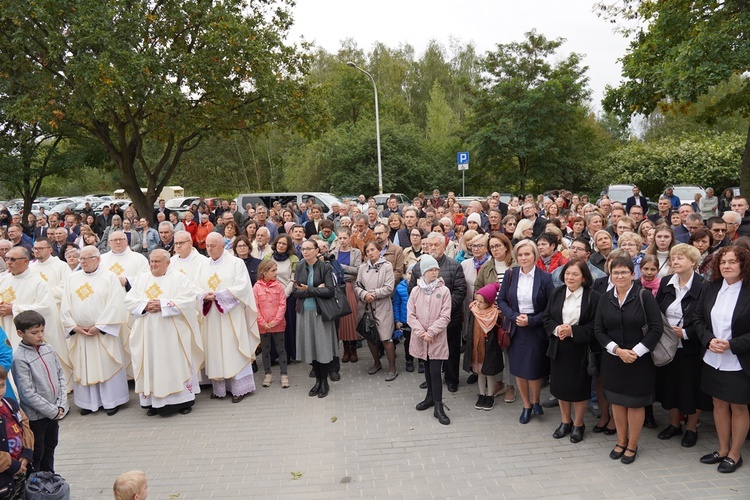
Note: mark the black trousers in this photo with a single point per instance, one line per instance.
(432, 368)
(452, 366)
(45, 441)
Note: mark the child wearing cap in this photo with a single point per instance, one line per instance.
(483, 355)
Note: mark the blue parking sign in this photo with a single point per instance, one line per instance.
(463, 158)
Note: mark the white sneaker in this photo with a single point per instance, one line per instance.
(267, 380)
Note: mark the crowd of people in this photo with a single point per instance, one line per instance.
(554, 289)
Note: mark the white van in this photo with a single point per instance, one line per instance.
(325, 200)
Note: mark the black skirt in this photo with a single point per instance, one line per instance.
(569, 380)
(628, 384)
(732, 387)
(493, 355)
(678, 384)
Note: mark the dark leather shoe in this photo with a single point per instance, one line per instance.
(728, 465)
(525, 416)
(689, 439)
(627, 460)
(315, 389)
(324, 388)
(670, 432)
(451, 386)
(410, 366)
(439, 413)
(576, 435)
(420, 368)
(423, 385)
(617, 455)
(237, 399)
(152, 412)
(551, 403)
(186, 411)
(335, 376)
(472, 379)
(538, 410)
(427, 403)
(712, 458)
(562, 431)
(599, 429)
(112, 411)
(86, 412)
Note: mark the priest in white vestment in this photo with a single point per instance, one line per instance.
(93, 314)
(165, 341)
(54, 272)
(186, 259)
(229, 327)
(126, 264)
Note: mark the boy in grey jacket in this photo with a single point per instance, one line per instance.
(41, 387)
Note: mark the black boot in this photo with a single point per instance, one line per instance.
(316, 388)
(324, 388)
(427, 403)
(439, 413)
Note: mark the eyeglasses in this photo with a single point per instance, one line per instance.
(42, 248)
(308, 249)
(84, 259)
(14, 259)
(621, 274)
(496, 247)
(478, 246)
(118, 239)
(178, 243)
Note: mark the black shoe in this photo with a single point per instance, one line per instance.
(472, 378)
(324, 388)
(423, 385)
(315, 389)
(410, 366)
(599, 429)
(551, 402)
(562, 431)
(479, 405)
(617, 455)
(439, 413)
(627, 460)
(689, 439)
(728, 465)
(335, 376)
(525, 416)
(489, 403)
(576, 435)
(427, 403)
(420, 368)
(86, 412)
(538, 410)
(186, 411)
(152, 412)
(451, 386)
(712, 458)
(112, 411)
(670, 432)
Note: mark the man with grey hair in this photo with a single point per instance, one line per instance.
(709, 204)
(664, 210)
(453, 276)
(94, 317)
(166, 237)
(5, 246)
(186, 259)
(261, 244)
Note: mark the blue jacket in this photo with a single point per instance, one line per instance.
(400, 299)
(6, 361)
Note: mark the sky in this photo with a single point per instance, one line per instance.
(483, 22)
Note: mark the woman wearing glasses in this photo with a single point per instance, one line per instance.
(627, 371)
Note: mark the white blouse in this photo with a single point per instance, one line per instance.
(525, 291)
(674, 311)
(721, 322)
(571, 310)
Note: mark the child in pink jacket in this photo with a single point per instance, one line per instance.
(270, 300)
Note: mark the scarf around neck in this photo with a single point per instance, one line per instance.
(479, 263)
(485, 318)
(652, 285)
(428, 288)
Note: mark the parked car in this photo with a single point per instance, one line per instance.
(686, 192)
(381, 199)
(325, 200)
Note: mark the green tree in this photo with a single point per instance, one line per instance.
(680, 51)
(150, 80)
(528, 111)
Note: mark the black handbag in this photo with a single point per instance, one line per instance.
(593, 362)
(335, 307)
(367, 327)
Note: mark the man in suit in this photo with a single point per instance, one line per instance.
(494, 202)
(665, 209)
(637, 199)
(411, 217)
(681, 232)
(162, 209)
(42, 228)
(540, 223)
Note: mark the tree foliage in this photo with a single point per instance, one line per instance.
(149, 80)
(680, 51)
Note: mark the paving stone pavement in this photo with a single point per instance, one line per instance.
(280, 443)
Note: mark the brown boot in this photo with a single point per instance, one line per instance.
(353, 358)
(345, 357)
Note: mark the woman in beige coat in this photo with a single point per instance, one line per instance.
(374, 288)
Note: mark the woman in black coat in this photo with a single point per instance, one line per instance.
(722, 321)
(628, 373)
(678, 383)
(569, 321)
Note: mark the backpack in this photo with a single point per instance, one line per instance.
(47, 486)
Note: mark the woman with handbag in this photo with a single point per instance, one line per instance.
(678, 383)
(523, 300)
(428, 314)
(316, 339)
(721, 319)
(627, 331)
(350, 259)
(374, 287)
(569, 321)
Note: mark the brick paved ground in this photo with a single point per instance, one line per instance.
(378, 447)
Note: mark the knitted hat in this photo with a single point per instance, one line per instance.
(489, 292)
(426, 263)
(475, 217)
(411, 267)
(288, 227)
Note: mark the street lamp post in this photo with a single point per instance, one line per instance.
(377, 124)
